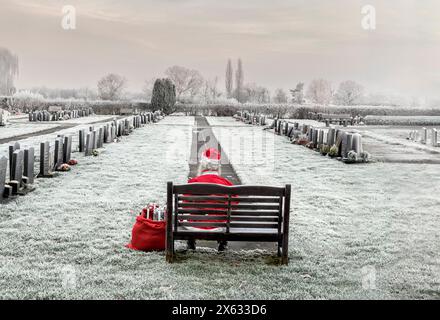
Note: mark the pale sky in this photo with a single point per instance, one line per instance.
(281, 42)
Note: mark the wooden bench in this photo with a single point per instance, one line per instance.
(238, 213)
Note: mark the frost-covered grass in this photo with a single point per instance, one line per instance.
(347, 218)
(90, 119)
(15, 129)
(66, 239)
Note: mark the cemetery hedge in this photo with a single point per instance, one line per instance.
(301, 111)
(403, 120)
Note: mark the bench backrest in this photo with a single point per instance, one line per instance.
(210, 205)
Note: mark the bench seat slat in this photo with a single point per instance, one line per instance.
(258, 225)
(234, 206)
(223, 217)
(201, 217)
(210, 189)
(201, 211)
(261, 236)
(254, 213)
(224, 212)
(203, 224)
(255, 218)
(235, 199)
(202, 205)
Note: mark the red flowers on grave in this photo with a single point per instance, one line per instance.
(72, 162)
(64, 167)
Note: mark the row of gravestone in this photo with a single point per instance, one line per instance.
(423, 137)
(335, 142)
(251, 118)
(45, 115)
(21, 166)
(21, 171)
(2, 118)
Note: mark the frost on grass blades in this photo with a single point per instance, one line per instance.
(219, 150)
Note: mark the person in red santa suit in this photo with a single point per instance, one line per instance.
(210, 172)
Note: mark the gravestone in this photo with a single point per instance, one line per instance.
(320, 137)
(127, 127)
(101, 138)
(82, 140)
(12, 149)
(89, 144)
(58, 155)
(113, 133)
(341, 142)
(108, 134)
(45, 170)
(424, 138)
(357, 143)
(434, 138)
(29, 164)
(331, 137)
(67, 149)
(309, 133)
(17, 167)
(315, 133)
(94, 139)
(349, 146)
(3, 170)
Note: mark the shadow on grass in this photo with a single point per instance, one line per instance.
(229, 257)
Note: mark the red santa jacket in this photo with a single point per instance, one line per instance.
(215, 179)
(211, 178)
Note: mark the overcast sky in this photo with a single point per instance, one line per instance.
(280, 42)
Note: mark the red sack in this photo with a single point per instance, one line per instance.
(148, 235)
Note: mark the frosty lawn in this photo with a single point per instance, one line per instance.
(66, 239)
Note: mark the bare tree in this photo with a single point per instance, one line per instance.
(280, 96)
(187, 81)
(298, 93)
(320, 91)
(349, 92)
(147, 89)
(8, 71)
(229, 81)
(256, 94)
(210, 90)
(111, 87)
(239, 81)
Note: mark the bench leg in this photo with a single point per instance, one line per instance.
(279, 249)
(170, 252)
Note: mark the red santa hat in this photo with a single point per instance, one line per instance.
(210, 160)
(212, 154)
